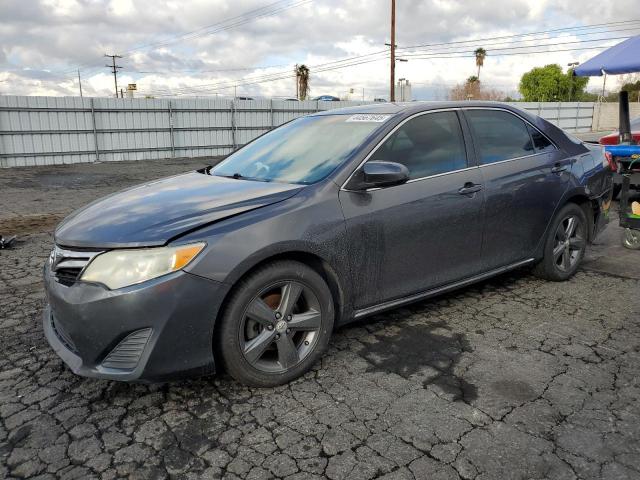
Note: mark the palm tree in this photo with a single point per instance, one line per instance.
(480, 54)
(472, 88)
(302, 81)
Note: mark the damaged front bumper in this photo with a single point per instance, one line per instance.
(158, 330)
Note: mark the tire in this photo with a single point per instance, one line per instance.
(276, 325)
(631, 239)
(562, 256)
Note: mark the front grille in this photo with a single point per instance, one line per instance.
(67, 265)
(62, 335)
(67, 276)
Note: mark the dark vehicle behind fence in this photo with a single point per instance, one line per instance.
(332, 217)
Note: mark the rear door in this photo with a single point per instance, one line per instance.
(525, 177)
(427, 232)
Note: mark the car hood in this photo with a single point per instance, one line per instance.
(154, 213)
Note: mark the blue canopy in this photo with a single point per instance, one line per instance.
(621, 58)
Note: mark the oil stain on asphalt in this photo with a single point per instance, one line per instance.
(431, 349)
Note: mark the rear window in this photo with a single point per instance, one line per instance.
(499, 135)
(540, 142)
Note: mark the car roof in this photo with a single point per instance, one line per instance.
(391, 108)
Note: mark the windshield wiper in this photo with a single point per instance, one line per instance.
(236, 176)
(239, 176)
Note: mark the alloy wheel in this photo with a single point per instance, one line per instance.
(569, 243)
(280, 326)
(631, 239)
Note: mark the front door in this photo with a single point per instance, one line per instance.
(422, 234)
(524, 177)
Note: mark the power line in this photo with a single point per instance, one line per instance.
(184, 35)
(245, 18)
(429, 51)
(227, 85)
(114, 69)
(516, 53)
(557, 30)
(215, 70)
(348, 62)
(227, 27)
(419, 54)
(343, 63)
(517, 47)
(444, 44)
(513, 43)
(254, 81)
(286, 73)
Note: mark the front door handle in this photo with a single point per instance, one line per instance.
(559, 168)
(470, 188)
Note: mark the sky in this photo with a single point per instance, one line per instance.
(249, 47)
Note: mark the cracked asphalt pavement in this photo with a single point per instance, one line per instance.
(514, 378)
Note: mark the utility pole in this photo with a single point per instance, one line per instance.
(295, 70)
(114, 69)
(79, 83)
(392, 95)
(572, 66)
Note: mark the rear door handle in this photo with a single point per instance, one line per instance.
(470, 188)
(559, 168)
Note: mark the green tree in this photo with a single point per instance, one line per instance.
(480, 54)
(551, 84)
(634, 90)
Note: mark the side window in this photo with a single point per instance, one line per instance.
(499, 135)
(427, 145)
(541, 142)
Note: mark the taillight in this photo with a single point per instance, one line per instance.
(610, 161)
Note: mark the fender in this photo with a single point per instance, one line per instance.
(577, 192)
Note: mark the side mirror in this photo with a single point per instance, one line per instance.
(378, 173)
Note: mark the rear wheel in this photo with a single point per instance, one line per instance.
(277, 324)
(565, 245)
(631, 239)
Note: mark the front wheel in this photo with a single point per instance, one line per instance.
(276, 325)
(565, 245)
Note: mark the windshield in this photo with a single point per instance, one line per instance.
(304, 151)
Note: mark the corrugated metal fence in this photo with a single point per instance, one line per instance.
(570, 116)
(59, 130)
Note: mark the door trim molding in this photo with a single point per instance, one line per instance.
(364, 312)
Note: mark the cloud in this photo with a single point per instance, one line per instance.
(43, 42)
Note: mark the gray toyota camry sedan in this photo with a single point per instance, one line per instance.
(250, 265)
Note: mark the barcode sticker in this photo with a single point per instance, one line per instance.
(368, 117)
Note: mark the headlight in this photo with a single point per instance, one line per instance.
(121, 268)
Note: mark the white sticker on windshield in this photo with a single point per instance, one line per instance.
(368, 117)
